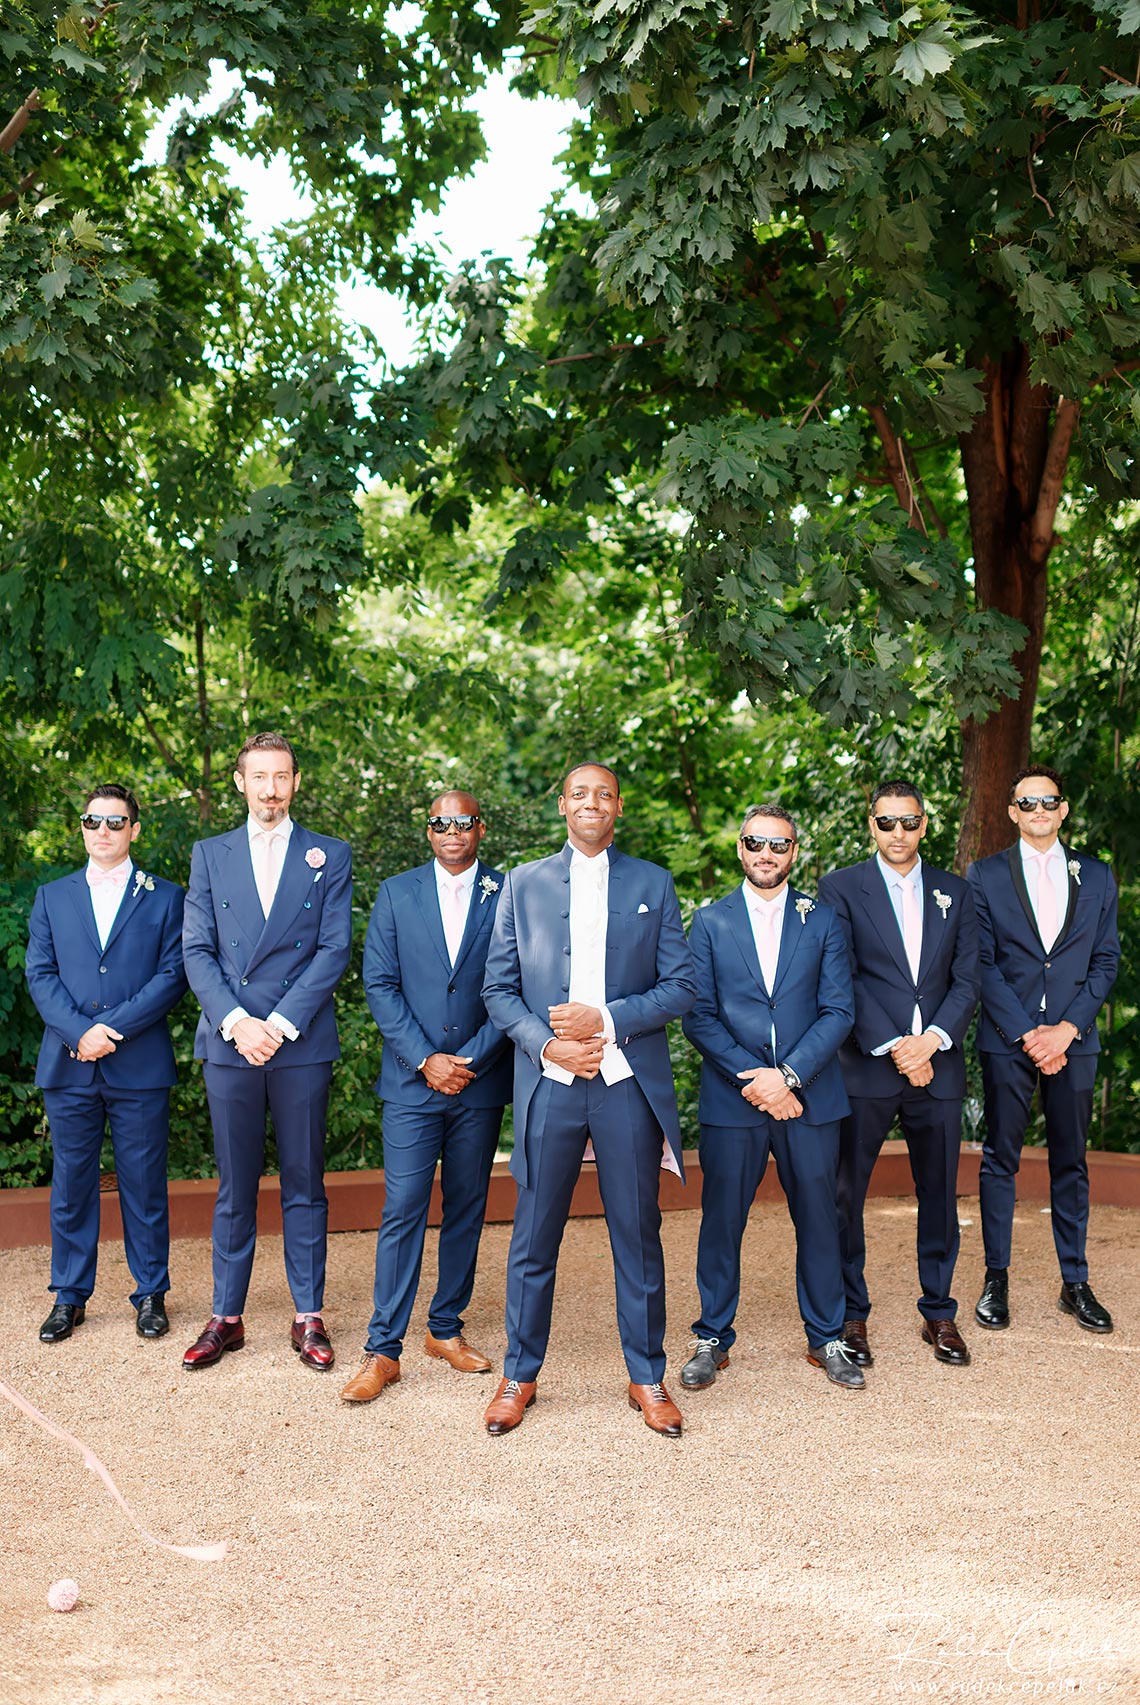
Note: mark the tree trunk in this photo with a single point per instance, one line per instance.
(1014, 460)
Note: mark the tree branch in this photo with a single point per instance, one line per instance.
(17, 124)
(896, 466)
(1053, 478)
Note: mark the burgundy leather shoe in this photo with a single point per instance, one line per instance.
(949, 1346)
(311, 1342)
(658, 1409)
(509, 1404)
(219, 1335)
(855, 1338)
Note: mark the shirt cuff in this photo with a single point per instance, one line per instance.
(944, 1041)
(550, 1068)
(287, 1029)
(228, 1022)
(608, 1030)
(885, 1047)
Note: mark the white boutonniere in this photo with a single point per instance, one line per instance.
(804, 906)
(487, 887)
(943, 902)
(142, 880)
(1075, 871)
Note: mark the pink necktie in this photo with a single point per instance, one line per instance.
(769, 946)
(266, 868)
(453, 929)
(911, 928)
(106, 878)
(1046, 903)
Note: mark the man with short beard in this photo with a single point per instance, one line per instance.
(774, 1002)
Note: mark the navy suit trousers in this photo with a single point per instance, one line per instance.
(296, 1098)
(627, 1144)
(933, 1132)
(463, 1140)
(1066, 1102)
(139, 1121)
(733, 1161)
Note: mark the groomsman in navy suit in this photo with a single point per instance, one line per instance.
(1050, 954)
(588, 963)
(267, 938)
(444, 1079)
(913, 940)
(774, 1003)
(104, 968)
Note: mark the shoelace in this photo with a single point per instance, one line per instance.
(658, 1393)
(705, 1346)
(512, 1388)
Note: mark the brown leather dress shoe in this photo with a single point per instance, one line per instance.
(374, 1373)
(855, 1338)
(658, 1408)
(311, 1341)
(509, 1404)
(218, 1336)
(458, 1353)
(949, 1346)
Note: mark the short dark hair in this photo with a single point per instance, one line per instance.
(268, 742)
(115, 790)
(590, 764)
(771, 810)
(1036, 770)
(897, 787)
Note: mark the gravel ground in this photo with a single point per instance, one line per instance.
(946, 1534)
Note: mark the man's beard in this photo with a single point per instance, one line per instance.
(766, 881)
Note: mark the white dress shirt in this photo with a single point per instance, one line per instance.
(895, 881)
(589, 923)
(767, 920)
(453, 911)
(107, 897)
(1057, 870)
(266, 879)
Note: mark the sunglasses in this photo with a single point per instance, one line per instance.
(778, 843)
(440, 825)
(92, 821)
(1047, 801)
(910, 822)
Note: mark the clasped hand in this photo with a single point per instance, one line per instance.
(913, 1055)
(766, 1089)
(578, 1041)
(1047, 1046)
(448, 1072)
(255, 1040)
(97, 1042)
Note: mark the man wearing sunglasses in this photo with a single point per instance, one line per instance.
(444, 1079)
(773, 1004)
(267, 938)
(1050, 954)
(104, 969)
(913, 939)
(587, 966)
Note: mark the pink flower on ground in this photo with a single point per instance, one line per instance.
(315, 857)
(63, 1595)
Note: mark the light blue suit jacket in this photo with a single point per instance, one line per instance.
(649, 977)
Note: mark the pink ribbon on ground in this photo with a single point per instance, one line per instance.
(199, 1553)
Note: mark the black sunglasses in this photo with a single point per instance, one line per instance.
(910, 822)
(1048, 801)
(440, 825)
(778, 843)
(92, 821)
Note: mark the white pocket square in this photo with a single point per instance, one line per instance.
(643, 907)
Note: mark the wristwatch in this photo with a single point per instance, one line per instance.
(423, 1063)
(789, 1077)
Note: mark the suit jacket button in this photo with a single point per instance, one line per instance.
(102, 970)
(295, 944)
(244, 981)
(566, 951)
(94, 1006)
(284, 982)
(565, 988)
(308, 905)
(233, 943)
(1048, 964)
(564, 914)
(450, 986)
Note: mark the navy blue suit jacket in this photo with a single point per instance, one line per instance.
(131, 984)
(649, 976)
(423, 1004)
(811, 1005)
(289, 962)
(886, 994)
(1022, 985)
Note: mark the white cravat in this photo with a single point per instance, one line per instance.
(107, 889)
(267, 849)
(454, 903)
(1047, 879)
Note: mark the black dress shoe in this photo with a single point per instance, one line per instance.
(992, 1307)
(1079, 1300)
(152, 1321)
(62, 1321)
(858, 1348)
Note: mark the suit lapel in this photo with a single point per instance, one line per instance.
(1017, 877)
(479, 912)
(1070, 909)
(127, 905)
(881, 911)
(791, 934)
(427, 897)
(81, 898)
(934, 922)
(740, 928)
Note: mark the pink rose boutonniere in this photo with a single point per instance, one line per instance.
(315, 858)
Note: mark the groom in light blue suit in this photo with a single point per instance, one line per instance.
(588, 963)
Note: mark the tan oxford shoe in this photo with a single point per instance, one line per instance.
(658, 1409)
(458, 1353)
(509, 1404)
(374, 1373)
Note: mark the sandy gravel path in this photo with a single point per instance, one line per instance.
(947, 1534)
